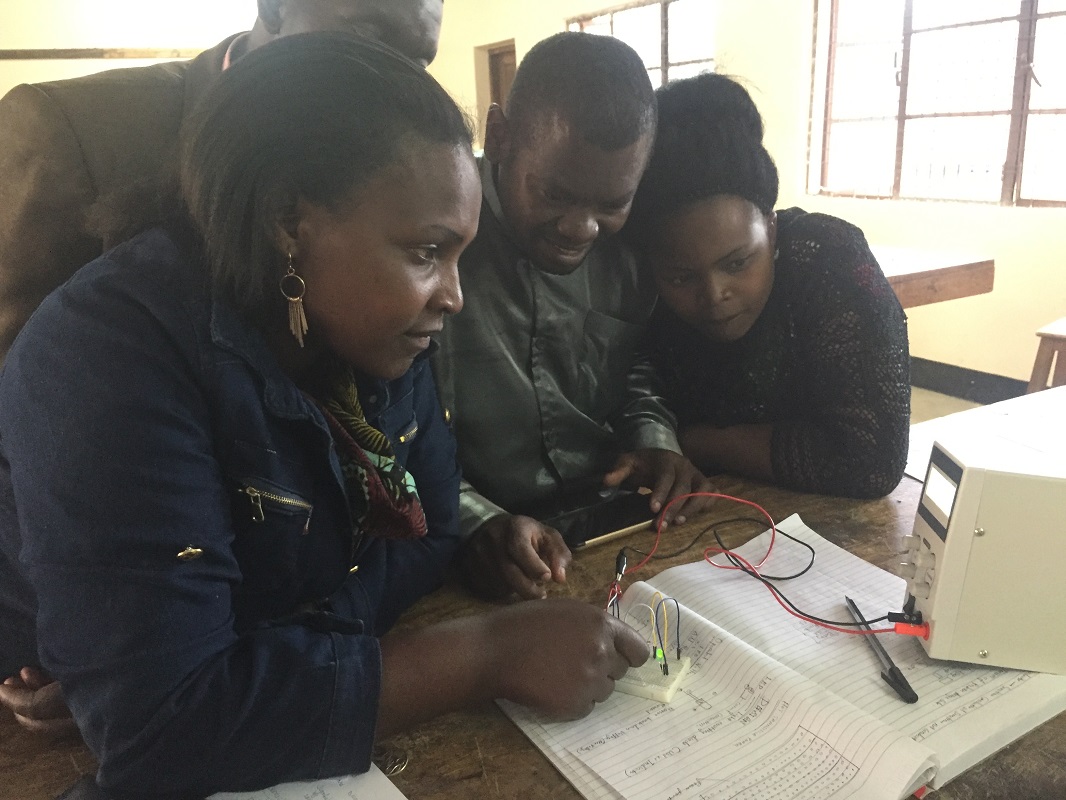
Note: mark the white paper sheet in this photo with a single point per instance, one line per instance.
(775, 707)
(372, 785)
(964, 712)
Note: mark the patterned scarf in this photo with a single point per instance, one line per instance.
(381, 493)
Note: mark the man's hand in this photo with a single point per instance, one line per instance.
(667, 474)
(513, 554)
(37, 702)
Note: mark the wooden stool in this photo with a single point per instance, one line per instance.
(1052, 348)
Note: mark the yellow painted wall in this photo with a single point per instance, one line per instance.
(121, 23)
(64, 24)
(769, 43)
(472, 26)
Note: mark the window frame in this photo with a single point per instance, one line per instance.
(1011, 183)
(664, 33)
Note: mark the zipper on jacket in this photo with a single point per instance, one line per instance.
(258, 495)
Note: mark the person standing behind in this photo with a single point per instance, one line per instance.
(541, 371)
(66, 144)
(781, 346)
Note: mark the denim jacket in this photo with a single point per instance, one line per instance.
(173, 507)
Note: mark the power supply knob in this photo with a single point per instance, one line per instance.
(926, 559)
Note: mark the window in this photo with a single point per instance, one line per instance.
(674, 37)
(946, 99)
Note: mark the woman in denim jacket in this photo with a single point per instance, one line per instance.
(225, 471)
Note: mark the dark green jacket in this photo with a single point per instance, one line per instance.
(541, 373)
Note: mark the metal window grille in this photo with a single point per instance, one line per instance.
(931, 99)
(675, 38)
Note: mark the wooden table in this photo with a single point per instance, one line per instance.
(920, 277)
(480, 755)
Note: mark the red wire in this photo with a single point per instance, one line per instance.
(662, 516)
(615, 590)
(613, 594)
(774, 594)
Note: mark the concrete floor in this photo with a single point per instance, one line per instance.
(929, 405)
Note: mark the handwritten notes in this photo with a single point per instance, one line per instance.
(372, 785)
(743, 726)
(964, 712)
(777, 709)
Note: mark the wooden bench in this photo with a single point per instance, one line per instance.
(1052, 349)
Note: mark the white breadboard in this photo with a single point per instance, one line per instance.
(647, 680)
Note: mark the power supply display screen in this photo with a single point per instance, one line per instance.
(940, 491)
(941, 487)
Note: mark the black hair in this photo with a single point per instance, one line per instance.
(597, 83)
(708, 143)
(308, 116)
(410, 26)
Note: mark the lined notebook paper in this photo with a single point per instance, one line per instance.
(372, 785)
(777, 708)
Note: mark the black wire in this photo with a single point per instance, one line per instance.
(766, 582)
(765, 579)
(612, 604)
(736, 563)
(677, 623)
(669, 555)
(697, 537)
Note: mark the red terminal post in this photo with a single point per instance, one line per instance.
(921, 631)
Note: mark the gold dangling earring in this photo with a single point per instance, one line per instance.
(293, 288)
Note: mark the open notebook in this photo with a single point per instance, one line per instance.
(774, 707)
(371, 785)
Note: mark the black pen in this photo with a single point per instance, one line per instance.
(890, 672)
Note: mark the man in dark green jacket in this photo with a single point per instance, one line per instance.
(541, 372)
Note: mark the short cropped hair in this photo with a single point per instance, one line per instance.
(708, 143)
(596, 83)
(308, 116)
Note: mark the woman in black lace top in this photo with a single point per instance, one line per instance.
(782, 348)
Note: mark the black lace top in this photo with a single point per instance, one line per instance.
(827, 363)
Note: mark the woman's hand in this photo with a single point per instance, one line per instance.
(513, 554)
(37, 702)
(559, 657)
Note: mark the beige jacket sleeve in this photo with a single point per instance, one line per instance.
(45, 191)
(65, 145)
